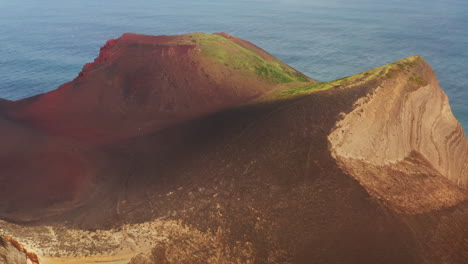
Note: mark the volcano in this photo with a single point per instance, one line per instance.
(204, 148)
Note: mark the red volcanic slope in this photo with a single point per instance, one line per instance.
(37, 170)
(140, 84)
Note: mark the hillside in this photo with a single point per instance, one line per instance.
(140, 84)
(371, 168)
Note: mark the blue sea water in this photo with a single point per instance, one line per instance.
(45, 43)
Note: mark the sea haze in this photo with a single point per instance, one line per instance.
(45, 43)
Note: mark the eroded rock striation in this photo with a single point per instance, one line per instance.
(206, 149)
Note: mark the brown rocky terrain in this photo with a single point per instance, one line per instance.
(239, 159)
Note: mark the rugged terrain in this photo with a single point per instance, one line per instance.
(204, 148)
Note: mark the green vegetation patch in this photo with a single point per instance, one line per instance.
(235, 57)
(300, 77)
(416, 82)
(406, 64)
(381, 73)
(305, 89)
(266, 71)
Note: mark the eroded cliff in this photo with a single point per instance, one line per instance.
(401, 138)
(408, 112)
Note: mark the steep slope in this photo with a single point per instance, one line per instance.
(140, 84)
(284, 178)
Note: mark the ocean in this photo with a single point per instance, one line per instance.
(46, 43)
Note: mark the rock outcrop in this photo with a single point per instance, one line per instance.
(12, 252)
(205, 149)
